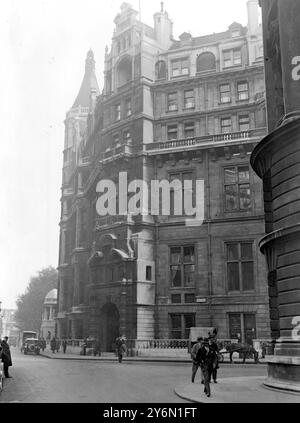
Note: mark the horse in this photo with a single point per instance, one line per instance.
(244, 349)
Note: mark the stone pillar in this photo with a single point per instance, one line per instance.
(76, 284)
(276, 159)
(123, 307)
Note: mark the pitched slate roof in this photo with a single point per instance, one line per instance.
(206, 39)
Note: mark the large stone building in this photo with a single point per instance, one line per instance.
(187, 109)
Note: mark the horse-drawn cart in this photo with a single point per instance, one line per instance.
(246, 350)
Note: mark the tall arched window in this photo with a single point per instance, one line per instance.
(205, 62)
(160, 70)
(124, 71)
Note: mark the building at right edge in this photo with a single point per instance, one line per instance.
(276, 159)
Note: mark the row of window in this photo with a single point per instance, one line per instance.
(236, 189)
(239, 266)
(224, 95)
(181, 67)
(241, 326)
(224, 122)
(204, 62)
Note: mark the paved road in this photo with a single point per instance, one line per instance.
(39, 379)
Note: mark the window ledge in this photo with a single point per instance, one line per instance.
(239, 211)
(173, 288)
(252, 291)
(224, 103)
(232, 67)
(171, 111)
(189, 108)
(180, 76)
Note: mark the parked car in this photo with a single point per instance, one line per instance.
(25, 335)
(32, 345)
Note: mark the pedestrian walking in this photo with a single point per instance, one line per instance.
(64, 345)
(84, 346)
(195, 365)
(44, 344)
(121, 347)
(214, 346)
(6, 356)
(97, 348)
(206, 357)
(53, 345)
(58, 345)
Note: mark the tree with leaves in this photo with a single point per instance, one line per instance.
(30, 304)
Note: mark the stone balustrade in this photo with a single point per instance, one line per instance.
(188, 142)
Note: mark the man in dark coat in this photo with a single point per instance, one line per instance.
(5, 356)
(97, 348)
(53, 344)
(43, 343)
(121, 347)
(205, 357)
(214, 346)
(64, 345)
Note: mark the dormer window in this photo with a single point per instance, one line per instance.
(236, 33)
(235, 29)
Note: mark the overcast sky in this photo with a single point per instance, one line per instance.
(43, 45)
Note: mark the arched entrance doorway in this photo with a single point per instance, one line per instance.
(109, 326)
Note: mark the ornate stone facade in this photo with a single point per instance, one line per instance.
(189, 108)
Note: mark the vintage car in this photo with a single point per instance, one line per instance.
(32, 345)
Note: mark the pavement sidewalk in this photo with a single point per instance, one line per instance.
(240, 389)
(112, 357)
